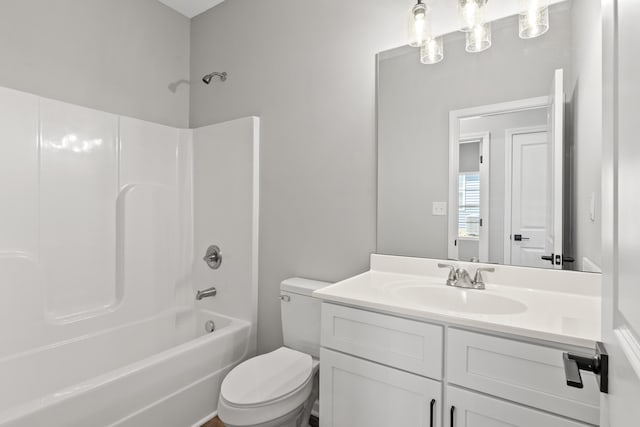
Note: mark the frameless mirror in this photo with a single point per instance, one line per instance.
(494, 156)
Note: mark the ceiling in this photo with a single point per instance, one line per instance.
(445, 22)
(191, 8)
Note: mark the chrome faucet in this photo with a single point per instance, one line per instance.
(459, 277)
(211, 292)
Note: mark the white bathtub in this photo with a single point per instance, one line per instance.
(162, 371)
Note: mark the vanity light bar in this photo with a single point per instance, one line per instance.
(533, 22)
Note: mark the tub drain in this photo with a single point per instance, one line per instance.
(209, 326)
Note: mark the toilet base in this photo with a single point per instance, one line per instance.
(292, 419)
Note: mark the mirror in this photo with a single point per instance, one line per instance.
(494, 156)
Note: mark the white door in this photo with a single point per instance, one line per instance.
(528, 205)
(468, 409)
(358, 393)
(621, 210)
(555, 122)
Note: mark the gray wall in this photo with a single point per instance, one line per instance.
(585, 94)
(308, 70)
(414, 105)
(113, 55)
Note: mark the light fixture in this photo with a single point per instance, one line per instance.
(533, 22)
(471, 14)
(534, 18)
(417, 26)
(432, 51)
(479, 38)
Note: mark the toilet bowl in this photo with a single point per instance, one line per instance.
(279, 389)
(275, 389)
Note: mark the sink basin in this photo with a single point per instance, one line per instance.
(457, 300)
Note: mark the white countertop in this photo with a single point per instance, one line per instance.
(564, 314)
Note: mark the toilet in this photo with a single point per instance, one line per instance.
(279, 389)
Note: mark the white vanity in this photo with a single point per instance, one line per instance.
(400, 348)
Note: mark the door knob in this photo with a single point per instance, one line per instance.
(519, 237)
(598, 364)
(549, 258)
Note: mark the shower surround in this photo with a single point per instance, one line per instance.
(103, 225)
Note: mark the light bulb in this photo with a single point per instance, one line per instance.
(534, 18)
(432, 51)
(418, 26)
(471, 13)
(419, 23)
(479, 38)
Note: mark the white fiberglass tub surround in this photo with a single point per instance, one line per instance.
(165, 372)
(99, 265)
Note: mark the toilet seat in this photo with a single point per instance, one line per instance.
(266, 387)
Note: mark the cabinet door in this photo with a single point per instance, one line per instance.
(468, 409)
(529, 374)
(405, 344)
(358, 393)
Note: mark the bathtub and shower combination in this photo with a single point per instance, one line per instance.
(104, 224)
(157, 371)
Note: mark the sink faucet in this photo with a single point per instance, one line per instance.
(211, 292)
(459, 277)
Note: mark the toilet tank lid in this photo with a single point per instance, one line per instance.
(298, 285)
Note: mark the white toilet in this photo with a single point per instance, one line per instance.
(279, 389)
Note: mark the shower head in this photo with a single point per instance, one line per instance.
(207, 79)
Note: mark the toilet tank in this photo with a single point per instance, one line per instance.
(301, 315)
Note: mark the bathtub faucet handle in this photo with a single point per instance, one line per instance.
(211, 292)
(213, 257)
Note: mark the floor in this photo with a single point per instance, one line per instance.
(213, 423)
(313, 422)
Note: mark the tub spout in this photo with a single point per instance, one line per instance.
(211, 292)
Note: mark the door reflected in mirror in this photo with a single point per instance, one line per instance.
(499, 163)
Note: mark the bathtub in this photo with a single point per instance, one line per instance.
(161, 371)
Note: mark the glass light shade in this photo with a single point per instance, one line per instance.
(471, 13)
(534, 18)
(418, 25)
(479, 38)
(432, 51)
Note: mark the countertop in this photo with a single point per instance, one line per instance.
(565, 316)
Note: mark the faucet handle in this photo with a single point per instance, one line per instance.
(478, 279)
(453, 275)
(451, 267)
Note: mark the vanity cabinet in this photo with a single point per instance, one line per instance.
(380, 369)
(359, 393)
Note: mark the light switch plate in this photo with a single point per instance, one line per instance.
(439, 208)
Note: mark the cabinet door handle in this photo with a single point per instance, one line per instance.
(432, 407)
(451, 417)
